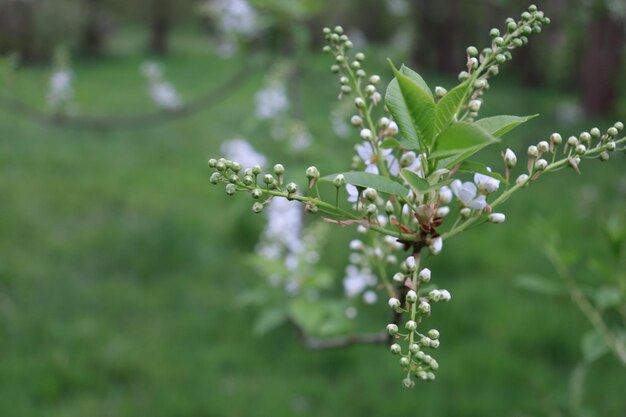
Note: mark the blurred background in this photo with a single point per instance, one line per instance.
(122, 270)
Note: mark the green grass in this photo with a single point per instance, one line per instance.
(120, 267)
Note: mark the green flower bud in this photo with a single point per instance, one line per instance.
(526, 16)
(248, 180)
(410, 325)
(220, 166)
(423, 307)
(372, 209)
(463, 75)
(440, 91)
(231, 189)
(398, 277)
(533, 152)
(511, 26)
(619, 126)
(326, 49)
(233, 179)
(257, 207)
(346, 89)
(532, 8)
(256, 193)
(500, 59)
(359, 56)
(356, 120)
(256, 170)
(543, 146)
(404, 361)
(612, 132)
(359, 103)
(392, 329)
(471, 51)
(348, 44)
(481, 83)
(374, 79)
(517, 42)
(395, 349)
(338, 30)
(498, 41)
(581, 149)
(355, 64)
(585, 137)
(215, 178)
(312, 173)
(394, 303)
(292, 187)
(595, 133)
(360, 73)
(268, 179)
(434, 344)
(335, 68)
(235, 166)
(465, 212)
(610, 146)
(326, 31)
(433, 334)
(408, 382)
(212, 162)
(411, 296)
(279, 169)
(388, 207)
(414, 348)
(494, 33)
(541, 164)
(556, 138)
(604, 156)
(572, 141)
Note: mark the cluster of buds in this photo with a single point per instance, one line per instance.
(416, 305)
(481, 65)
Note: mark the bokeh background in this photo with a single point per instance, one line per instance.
(122, 268)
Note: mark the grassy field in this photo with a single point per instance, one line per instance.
(120, 267)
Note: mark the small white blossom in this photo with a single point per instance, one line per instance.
(241, 151)
(510, 158)
(271, 101)
(467, 193)
(445, 195)
(367, 154)
(486, 183)
(436, 245)
(496, 218)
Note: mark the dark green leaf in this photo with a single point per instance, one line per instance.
(390, 144)
(461, 139)
(473, 167)
(366, 179)
(499, 125)
(416, 78)
(449, 105)
(413, 110)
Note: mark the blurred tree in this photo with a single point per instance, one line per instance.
(160, 25)
(602, 58)
(94, 28)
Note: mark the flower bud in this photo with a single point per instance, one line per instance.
(248, 180)
(595, 133)
(496, 217)
(612, 132)
(500, 58)
(433, 334)
(366, 134)
(424, 275)
(410, 263)
(542, 164)
(335, 68)
(372, 209)
(425, 341)
(572, 141)
(480, 84)
(494, 33)
(581, 149)
(359, 56)
(423, 307)
(256, 170)
(312, 173)
(465, 212)
(212, 162)
(440, 91)
(395, 349)
(374, 79)
(445, 295)
(356, 120)
(436, 245)
(422, 375)
(585, 137)
(220, 166)
(556, 138)
(410, 325)
(392, 129)
(398, 277)
(474, 105)
(292, 187)
(215, 178)
(256, 193)
(543, 146)
(279, 169)
(533, 152)
(434, 344)
(392, 329)
(510, 159)
(257, 207)
(471, 51)
(414, 348)
(619, 126)
(610, 146)
(511, 26)
(404, 361)
(231, 189)
(339, 181)
(268, 179)
(388, 207)
(411, 296)
(442, 211)
(463, 75)
(346, 89)
(394, 303)
(434, 295)
(604, 156)
(370, 194)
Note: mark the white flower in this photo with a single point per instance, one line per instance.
(392, 129)
(60, 88)
(164, 95)
(356, 245)
(356, 280)
(367, 154)
(271, 101)
(486, 183)
(241, 151)
(467, 192)
(353, 193)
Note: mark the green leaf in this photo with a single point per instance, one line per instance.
(539, 285)
(413, 109)
(390, 144)
(608, 297)
(473, 167)
(449, 106)
(414, 76)
(319, 318)
(593, 346)
(461, 139)
(499, 125)
(269, 320)
(366, 179)
(420, 184)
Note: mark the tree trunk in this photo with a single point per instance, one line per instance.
(160, 24)
(601, 60)
(93, 32)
